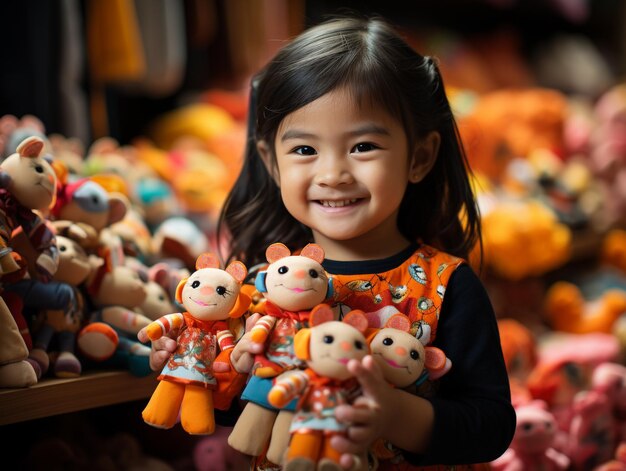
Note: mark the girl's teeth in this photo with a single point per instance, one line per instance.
(338, 204)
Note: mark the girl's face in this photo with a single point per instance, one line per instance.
(342, 171)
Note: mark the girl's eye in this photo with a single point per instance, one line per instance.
(328, 339)
(282, 270)
(313, 273)
(195, 284)
(304, 150)
(363, 147)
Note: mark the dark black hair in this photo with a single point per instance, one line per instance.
(369, 57)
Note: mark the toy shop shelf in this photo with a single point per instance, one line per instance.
(61, 396)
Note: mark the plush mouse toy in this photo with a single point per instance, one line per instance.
(292, 285)
(210, 296)
(326, 347)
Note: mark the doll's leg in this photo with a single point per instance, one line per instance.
(196, 413)
(280, 437)
(252, 430)
(303, 451)
(67, 365)
(162, 410)
(329, 457)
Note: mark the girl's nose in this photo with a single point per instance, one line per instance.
(207, 290)
(333, 170)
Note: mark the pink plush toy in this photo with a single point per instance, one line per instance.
(210, 296)
(326, 347)
(532, 445)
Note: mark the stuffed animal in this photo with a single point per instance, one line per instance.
(210, 296)
(292, 285)
(568, 311)
(61, 326)
(326, 346)
(533, 443)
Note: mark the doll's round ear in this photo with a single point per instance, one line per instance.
(259, 282)
(356, 319)
(207, 260)
(314, 252)
(320, 314)
(276, 251)
(179, 290)
(30, 147)
(237, 270)
(436, 362)
(399, 321)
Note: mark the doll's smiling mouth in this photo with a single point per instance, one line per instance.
(391, 362)
(297, 289)
(200, 303)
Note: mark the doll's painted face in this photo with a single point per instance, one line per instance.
(332, 345)
(296, 283)
(400, 355)
(210, 294)
(33, 181)
(74, 266)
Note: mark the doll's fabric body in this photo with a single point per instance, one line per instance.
(198, 342)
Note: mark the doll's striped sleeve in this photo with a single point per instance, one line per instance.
(225, 338)
(287, 386)
(164, 324)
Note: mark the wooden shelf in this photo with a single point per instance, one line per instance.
(61, 396)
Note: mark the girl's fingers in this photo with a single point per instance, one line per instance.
(355, 415)
(369, 376)
(158, 358)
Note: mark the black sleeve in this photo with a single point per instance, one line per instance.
(474, 418)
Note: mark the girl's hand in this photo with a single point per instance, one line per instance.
(365, 415)
(244, 352)
(162, 348)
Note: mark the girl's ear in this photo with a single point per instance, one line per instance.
(266, 157)
(424, 157)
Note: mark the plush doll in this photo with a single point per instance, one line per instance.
(59, 326)
(292, 285)
(115, 293)
(180, 239)
(210, 296)
(610, 379)
(532, 445)
(212, 453)
(568, 311)
(326, 346)
(519, 348)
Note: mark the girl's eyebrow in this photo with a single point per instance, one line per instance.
(369, 128)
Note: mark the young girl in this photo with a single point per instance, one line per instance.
(354, 147)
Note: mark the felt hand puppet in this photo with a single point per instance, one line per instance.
(326, 347)
(210, 296)
(292, 286)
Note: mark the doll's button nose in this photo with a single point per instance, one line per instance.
(207, 290)
(346, 346)
(400, 351)
(299, 273)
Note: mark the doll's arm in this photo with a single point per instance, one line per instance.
(163, 325)
(286, 387)
(225, 339)
(125, 319)
(262, 328)
(44, 243)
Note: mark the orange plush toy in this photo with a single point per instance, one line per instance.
(568, 311)
(326, 347)
(210, 296)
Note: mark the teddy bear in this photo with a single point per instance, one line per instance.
(291, 285)
(326, 347)
(15, 370)
(532, 445)
(210, 296)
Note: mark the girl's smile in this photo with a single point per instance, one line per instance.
(342, 168)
